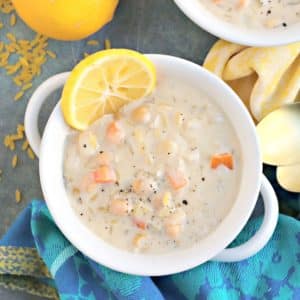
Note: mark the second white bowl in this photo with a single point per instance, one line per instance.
(238, 34)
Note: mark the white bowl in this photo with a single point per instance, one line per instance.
(51, 174)
(235, 33)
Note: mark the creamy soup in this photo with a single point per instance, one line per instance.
(159, 175)
(256, 13)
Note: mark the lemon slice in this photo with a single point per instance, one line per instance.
(103, 82)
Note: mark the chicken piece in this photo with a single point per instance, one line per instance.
(87, 143)
(139, 241)
(174, 224)
(119, 207)
(104, 158)
(115, 133)
(177, 179)
(141, 114)
(144, 185)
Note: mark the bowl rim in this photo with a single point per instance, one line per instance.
(235, 33)
(94, 247)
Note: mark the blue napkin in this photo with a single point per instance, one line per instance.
(36, 257)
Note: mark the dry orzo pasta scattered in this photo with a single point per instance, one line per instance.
(12, 20)
(14, 161)
(21, 58)
(10, 141)
(93, 43)
(107, 44)
(18, 196)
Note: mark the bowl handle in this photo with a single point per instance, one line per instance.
(34, 106)
(263, 235)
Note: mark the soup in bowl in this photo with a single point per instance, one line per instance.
(163, 185)
(258, 23)
(160, 175)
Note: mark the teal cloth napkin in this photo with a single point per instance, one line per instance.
(274, 273)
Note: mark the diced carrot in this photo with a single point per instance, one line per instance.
(139, 223)
(105, 174)
(137, 186)
(225, 159)
(115, 133)
(242, 4)
(177, 179)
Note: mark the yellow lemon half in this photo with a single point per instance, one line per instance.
(66, 19)
(103, 82)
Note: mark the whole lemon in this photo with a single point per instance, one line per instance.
(66, 19)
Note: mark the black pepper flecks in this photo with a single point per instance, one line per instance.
(185, 202)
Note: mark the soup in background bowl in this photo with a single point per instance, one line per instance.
(258, 23)
(264, 14)
(211, 107)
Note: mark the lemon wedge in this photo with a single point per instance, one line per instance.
(103, 82)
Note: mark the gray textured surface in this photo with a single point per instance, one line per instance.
(151, 26)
